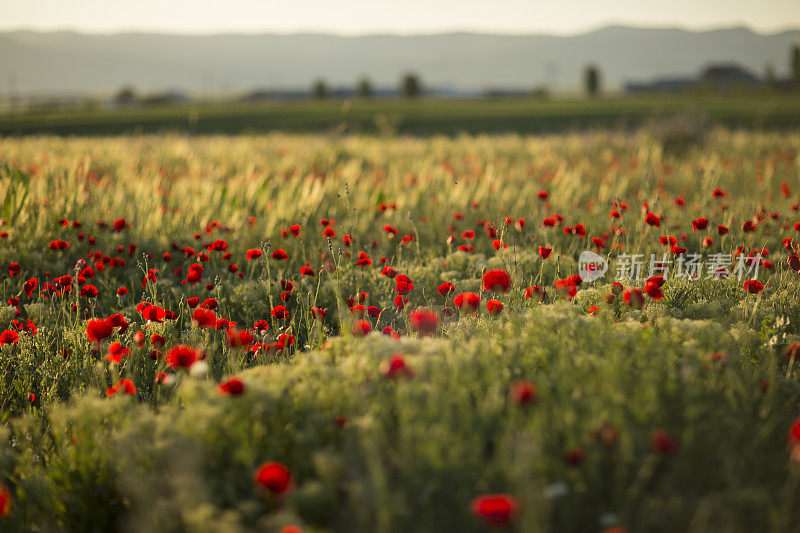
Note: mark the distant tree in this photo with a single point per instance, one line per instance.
(319, 89)
(794, 67)
(125, 96)
(410, 86)
(364, 88)
(540, 92)
(591, 79)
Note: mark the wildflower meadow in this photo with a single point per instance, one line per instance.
(308, 333)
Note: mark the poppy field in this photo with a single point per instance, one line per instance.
(320, 333)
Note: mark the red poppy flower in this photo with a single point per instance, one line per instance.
(446, 288)
(89, 291)
(566, 287)
(496, 280)
(30, 286)
(424, 321)
(280, 312)
(254, 253)
(153, 314)
(663, 443)
(722, 230)
(181, 356)
(653, 287)
(233, 386)
(218, 245)
(522, 392)
(537, 290)
(59, 244)
(124, 385)
(280, 255)
(361, 328)
(494, 307)
(753, 286)
(239, 338)
(273, 477)
(699, 224)
(157, 340)
(8, 337)
(400, 302)
(496, 510)
(544, 252)
(5, 502)
(467, 302)
(633, 298)
(205, 318)
(404, 285)
(116, 352)
(390, 332)
(395, 367)
(97, 330)
(678, 250)
(261, 325)
(653, 220)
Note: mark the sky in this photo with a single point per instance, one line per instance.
(354, 17)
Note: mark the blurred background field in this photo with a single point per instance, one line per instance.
(424, 116)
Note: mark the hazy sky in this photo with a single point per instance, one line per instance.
(396, 16)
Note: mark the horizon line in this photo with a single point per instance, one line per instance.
(394, 33)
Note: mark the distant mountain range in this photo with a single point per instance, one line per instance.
(66, 62)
